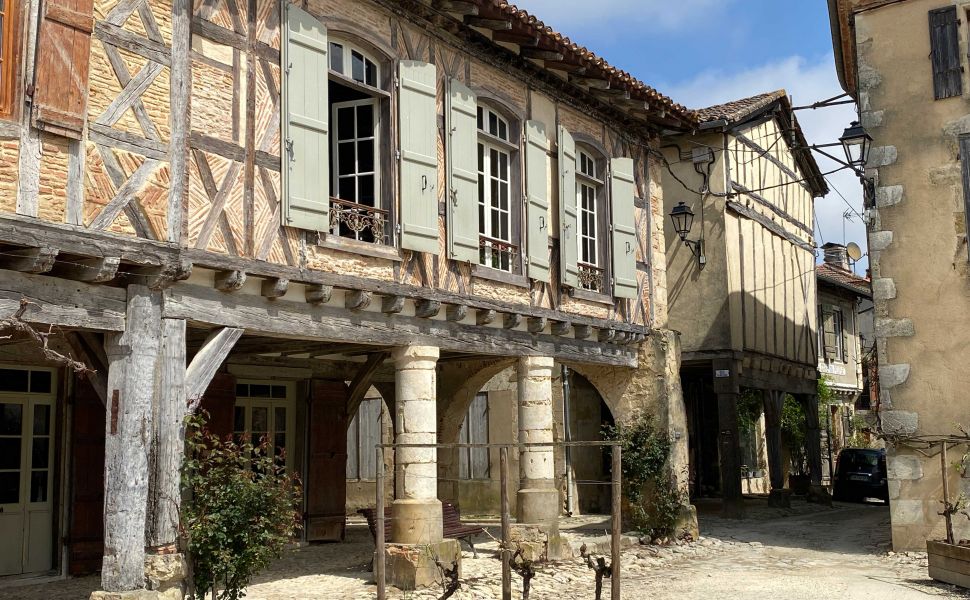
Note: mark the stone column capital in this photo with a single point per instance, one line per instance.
(415, 357)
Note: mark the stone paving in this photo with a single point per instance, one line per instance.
(807, 552)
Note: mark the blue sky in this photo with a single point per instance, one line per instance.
(703, 52)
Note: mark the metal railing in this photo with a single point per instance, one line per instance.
(615, 483)
(362, 222)
(497, 254)
(591, 277)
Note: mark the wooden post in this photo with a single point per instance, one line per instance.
(617, 522)
(164, 498)
(379, 560)
(132, 359)
(505, 551)
(950, 539)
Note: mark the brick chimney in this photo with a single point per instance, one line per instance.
(836, 256)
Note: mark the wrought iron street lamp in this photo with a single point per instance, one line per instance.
(856, 143)
(683, 219)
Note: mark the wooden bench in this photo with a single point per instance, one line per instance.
(452, 526)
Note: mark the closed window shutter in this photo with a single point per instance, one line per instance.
(945, 53)
(829, 338)
(537, 190)
(568, 211)
(63, 49)
(419, 156)
(306, 150)
(622, 191)
(462, 130)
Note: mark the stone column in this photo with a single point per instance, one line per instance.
(416, 508)
(774, 401)
(813, 450)
(538, 498)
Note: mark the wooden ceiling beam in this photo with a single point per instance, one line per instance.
(516, 37)
(487, 23)
(540, 53)
(462, 7)
(590, 82)
(568, 67)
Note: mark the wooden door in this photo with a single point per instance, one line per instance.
(219, 401)
(85, 541)
(326, 473)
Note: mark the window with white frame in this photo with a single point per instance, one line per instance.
(590, 184)
(830, 333)
(355, 111)
(266, 411)
(495, 212)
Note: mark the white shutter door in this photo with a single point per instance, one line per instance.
(306, 159)
(568, 210)
(419, 156)
(537, 190)
(462, 128)
(622, 191)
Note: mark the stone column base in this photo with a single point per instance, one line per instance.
(686, 523)
(540, 543)
(537, 506)
(819, 494)
(165, 575)
(416, 522)
(413, 566)
(779, 498)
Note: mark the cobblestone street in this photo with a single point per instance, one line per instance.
(807, 552)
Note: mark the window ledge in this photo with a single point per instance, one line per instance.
(334, 242)
(592, 296)
(483, 272)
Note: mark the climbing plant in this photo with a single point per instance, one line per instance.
(793, 433)
(649, 487)
(241, 509)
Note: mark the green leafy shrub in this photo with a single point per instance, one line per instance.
(654, 499)
(241, 509)
(793, 433)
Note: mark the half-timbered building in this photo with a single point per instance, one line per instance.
(276, 211)
(742, 289)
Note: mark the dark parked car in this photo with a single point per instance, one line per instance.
(861, 474)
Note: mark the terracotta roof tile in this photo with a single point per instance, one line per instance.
(737, 110)
(566, 46)
(841, 277)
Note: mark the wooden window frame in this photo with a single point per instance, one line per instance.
(10, 32)
(598, 182)
(466, 455)
(510, 147)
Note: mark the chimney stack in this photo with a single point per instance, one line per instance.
(836, 256)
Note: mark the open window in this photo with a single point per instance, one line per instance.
(358, 109)
(593, 219)
(498, 199)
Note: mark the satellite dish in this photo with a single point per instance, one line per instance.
(854, 251)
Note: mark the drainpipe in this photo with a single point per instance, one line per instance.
(568, 436)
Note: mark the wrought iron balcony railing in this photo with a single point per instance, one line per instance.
(358, 221)
(497, 254)
(591, 277)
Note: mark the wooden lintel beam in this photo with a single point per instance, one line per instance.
(357, 299)
(540, 53)
(462, 7)
(485, 23)
(229, 281)
(485, 317)
(582, 332)
(274, 288)
(590, 82)
(513, 37)
(98, 375)
(456, 312)
(89, 270)
(392, 305)
(561, 327)
(537, 324)
(206, 363)
(362, 381)
(511, 320)
(28, 260)
(426, 309)
(318, 294)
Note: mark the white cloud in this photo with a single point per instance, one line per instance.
(807, 81)
(566, 14)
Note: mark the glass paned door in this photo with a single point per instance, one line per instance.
(26, 463)
(266, 411)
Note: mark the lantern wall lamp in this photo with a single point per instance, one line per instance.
(683, 219)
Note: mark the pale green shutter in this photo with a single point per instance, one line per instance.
(568, 210)
(306, 157)
(462, 128)
(418, 123)
(537, 190)
(622, 191)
